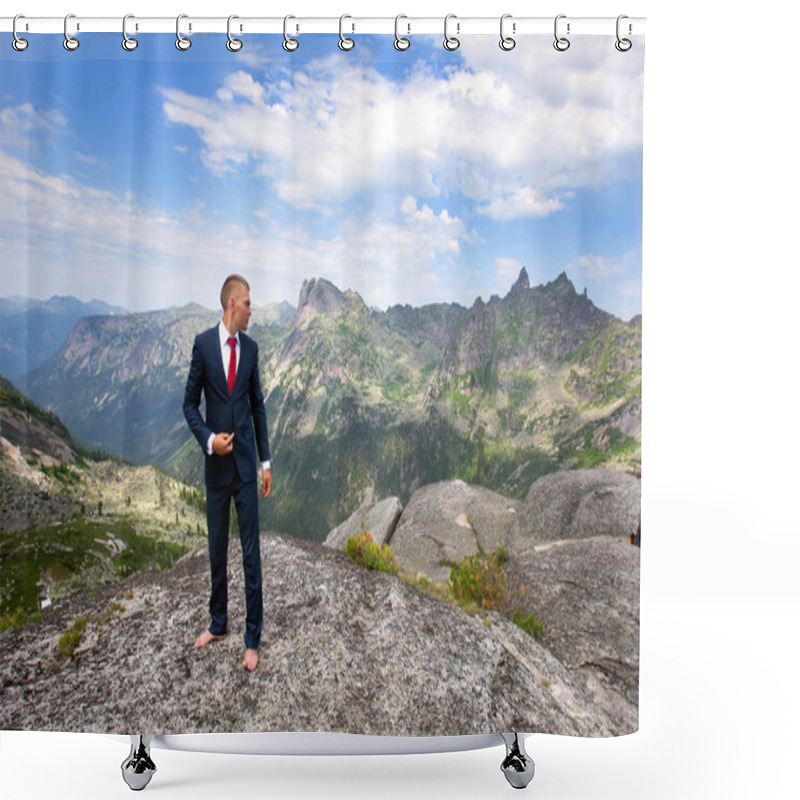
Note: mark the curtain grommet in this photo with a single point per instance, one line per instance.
(451, 42)
(400, 42)
(506, 42)
(345, 42)
(128, 42)
(18, 43)
(622, 44)
(561, 43)
(233, 44)
(289, 44)
(71, 43)
(181, 42)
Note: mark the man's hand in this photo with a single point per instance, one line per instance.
(223, 444)
(266, 483)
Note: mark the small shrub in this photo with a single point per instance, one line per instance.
(364, 550)
(480, 582)
(62, 473)
(531, 625)
(193, 496)
(480, 579)
(14, 620)
(70, 640)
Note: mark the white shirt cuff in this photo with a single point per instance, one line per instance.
(264, 465)
(210, 444)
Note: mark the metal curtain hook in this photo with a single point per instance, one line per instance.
(128, 42)
(19, 44)
(70, 42)
(400, 42)
(623, 45)
(233, 44)
(345, 43)
(451, 42)
(289, 44)
(506, 42)
(181, 42)
(561, 43)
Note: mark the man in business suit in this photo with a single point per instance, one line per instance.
(225, 368)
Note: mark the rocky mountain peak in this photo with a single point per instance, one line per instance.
(562, 282)
(522, 283)
(318, 297)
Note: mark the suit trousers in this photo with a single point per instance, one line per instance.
(218, 507)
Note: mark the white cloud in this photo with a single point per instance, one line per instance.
(20, 123)
(613, 282)
(61, 236)
(595, 267)
(523, 201)
(492, 130)
(506, 271)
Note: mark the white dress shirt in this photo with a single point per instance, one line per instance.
(225, 349)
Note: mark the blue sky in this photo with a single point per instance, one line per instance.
(144, 178)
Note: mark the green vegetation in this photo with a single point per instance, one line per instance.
(480, 582)
(19, 618)
(193, 496)
(364, 550)
(532, 626)
(70, 639)
(63, 474)
(585, 454)
(73, 555)
(11, 398)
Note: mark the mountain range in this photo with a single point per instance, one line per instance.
(364, 404)
(32, 330)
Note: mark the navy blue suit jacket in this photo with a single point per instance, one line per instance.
(241, 413)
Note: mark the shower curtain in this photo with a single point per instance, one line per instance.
(442, 248)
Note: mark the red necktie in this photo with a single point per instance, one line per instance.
(232, 364)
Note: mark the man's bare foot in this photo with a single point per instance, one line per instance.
(205, 638)
(250, 660)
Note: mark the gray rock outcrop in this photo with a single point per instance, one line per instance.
(380, 519)
(448, 521)
(586, 592)
(343, 650)
(576, 504)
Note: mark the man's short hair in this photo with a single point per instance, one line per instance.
(229, 287)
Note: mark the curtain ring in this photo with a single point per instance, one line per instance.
(233, 44)
(506, 42)
(70, 42)
(561, 43)
(128, 42)
(19, 44)
(623, 45)
(400, 42)
(289, 44)
(181, 42)
(345, 43)
(450, 42)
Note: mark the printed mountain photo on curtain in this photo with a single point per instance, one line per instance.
(444, 257)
